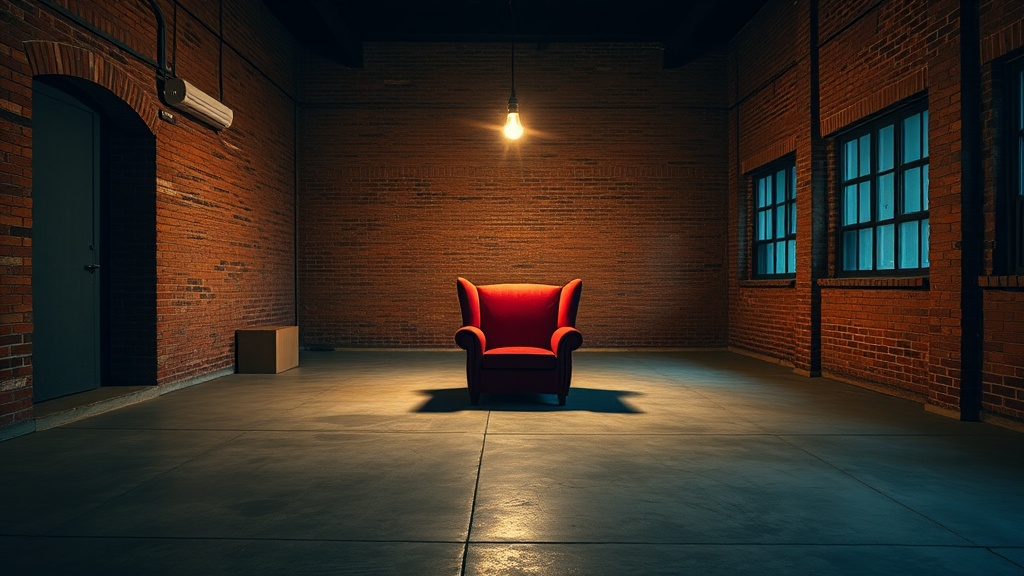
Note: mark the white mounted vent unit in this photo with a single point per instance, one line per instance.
(184, 96)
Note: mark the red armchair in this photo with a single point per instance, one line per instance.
(519, 337)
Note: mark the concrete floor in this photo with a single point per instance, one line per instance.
(374, 463)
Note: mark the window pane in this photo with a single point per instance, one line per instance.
(850, 205)
(886, 152)
(791, 268)
(885, 197)
(850, 250)
(792, 217)
(912, 138)
(909, 244)
(924, 187)
(865, 155)
(769, 258)
(850, 161)
(912, 191)
(792, 178)
(924, 134)
(760, 193)
(780, 257)
(780, 186)
(925, 239)
(780, 222)
(886, 247)
(866, 249)
(865, 202)
(760, 225)
(761, 250)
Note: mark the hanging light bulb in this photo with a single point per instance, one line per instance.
(513, 126)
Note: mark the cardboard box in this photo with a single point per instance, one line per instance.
(267, 349)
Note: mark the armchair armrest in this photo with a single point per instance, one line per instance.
(566, 339)
(469, 338)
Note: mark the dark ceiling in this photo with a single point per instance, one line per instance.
(686, 28)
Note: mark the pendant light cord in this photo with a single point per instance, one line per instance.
(512, 17)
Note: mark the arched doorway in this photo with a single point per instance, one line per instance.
(94, 240)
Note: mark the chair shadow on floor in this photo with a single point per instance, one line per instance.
(579, 400)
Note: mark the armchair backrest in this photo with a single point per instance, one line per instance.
(519, 314)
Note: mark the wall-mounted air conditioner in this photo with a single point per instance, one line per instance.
(184, 96)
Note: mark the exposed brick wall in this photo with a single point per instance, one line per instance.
(1003, 368)
(219, 206)
(633, 177)
(225, 201)
(15, 221)
(1002, 38)
(902, 336)
(864, 69)
(867, 50)
(406, 184)
(877, 336)
(769, 86)
(761, 320)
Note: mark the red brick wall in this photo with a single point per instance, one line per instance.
(406, 183)
(903, 336)
(225, 211)
(1002, 38)
(877, 336)
(1003, 376)
(769, 87)
(633, 177)
(224, 202)
(869, 60)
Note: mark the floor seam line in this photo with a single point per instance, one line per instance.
(476, 492)
(881, 493)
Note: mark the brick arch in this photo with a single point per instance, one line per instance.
(46, 57)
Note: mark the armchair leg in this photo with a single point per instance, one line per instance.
(561, 399)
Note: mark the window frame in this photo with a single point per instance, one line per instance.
(759, 246)
(879, 225)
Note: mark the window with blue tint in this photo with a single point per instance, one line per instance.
(886, 152)
(886, 202)
(851, 163)
(912, 138)
(883, 195)
(850, 205)
(866, 239)
(925, 234)
(909, 242)
(912, 191)
(865, 155)
(775, 220)
(865, 202)
(885, 258)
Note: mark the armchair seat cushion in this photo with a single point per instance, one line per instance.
(519, 358)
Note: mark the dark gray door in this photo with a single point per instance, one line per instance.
(65, 244)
